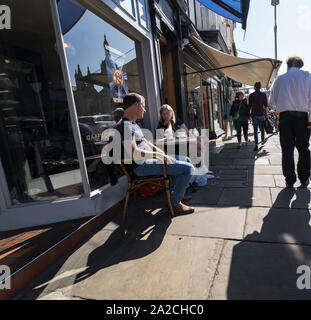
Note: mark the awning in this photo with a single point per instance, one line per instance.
(236, 10)
(70, 12)
(246, 71)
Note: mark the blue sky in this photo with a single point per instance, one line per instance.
(294, 30)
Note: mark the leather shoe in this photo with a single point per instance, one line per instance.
(186, 199)
(182, 209)
(289, 186)
(304, 184)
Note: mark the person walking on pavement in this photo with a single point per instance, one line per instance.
(227, 119)
(258, 105)
(291, 94)
(240, 113)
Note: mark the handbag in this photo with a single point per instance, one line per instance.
(236, 116)
(150, 190)
(268, 126)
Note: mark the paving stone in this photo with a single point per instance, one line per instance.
(246, 197)
(206, 195)
(260, 271)
(158, 267)
(251, 162)
(210, 222)
(268, 170)
(262, 181)
(232, 172)
(278, 225)
(217, 162)
(230, 167)
(291, 198)
(275, 161)
(227, 184)
(280, 182)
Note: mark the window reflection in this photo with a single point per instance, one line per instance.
(37, 148)
(195, 110)
(103, 68)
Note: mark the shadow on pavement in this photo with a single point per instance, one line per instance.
(140, 241)
(146, 231)
(267, 269)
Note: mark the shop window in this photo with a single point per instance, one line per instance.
(216, 107)
(195, 107)
(103, 68)
(37, 147)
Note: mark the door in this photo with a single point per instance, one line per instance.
(168, 73)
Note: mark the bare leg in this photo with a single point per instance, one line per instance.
(226, 129)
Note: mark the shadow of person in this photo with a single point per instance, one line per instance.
(144, 238)
(146, 233)
(264, 265)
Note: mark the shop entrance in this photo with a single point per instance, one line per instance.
(168, 72)
(213, 94)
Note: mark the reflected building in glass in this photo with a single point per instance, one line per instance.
(62, 74)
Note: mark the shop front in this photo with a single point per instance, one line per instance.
(204, 92)
(64, 71)
(213, 95)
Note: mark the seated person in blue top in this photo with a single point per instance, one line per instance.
(170, 124)
(135, 144)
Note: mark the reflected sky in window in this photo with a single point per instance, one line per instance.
(84, 45)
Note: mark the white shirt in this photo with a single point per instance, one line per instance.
(292, 91)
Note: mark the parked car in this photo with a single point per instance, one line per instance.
(98, 123)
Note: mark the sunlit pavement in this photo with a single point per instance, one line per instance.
(245, 240)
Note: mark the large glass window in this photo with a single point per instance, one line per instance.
(216, 106)
(195, 107)
(37, 148)
(103, 68)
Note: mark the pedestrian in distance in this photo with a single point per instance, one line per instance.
(227, 119)
(240, 114)
(291, 94)
(258, 104)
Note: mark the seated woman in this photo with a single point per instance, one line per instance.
(168, 121)
(170, 124)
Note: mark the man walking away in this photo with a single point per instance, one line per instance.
(259, 108)
(291, 94)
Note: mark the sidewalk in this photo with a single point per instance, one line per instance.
(245, 240)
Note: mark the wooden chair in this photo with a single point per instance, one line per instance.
(135, 182)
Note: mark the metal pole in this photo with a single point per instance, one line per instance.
(275, 35)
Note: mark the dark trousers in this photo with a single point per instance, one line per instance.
(239, 124)
(294, 133)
